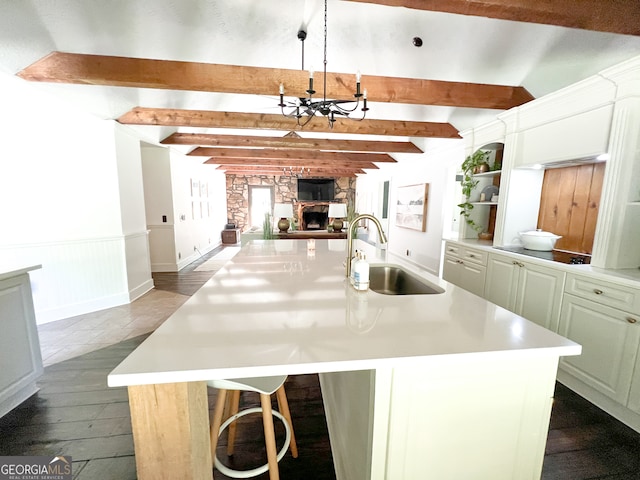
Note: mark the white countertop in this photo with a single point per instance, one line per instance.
(8, 270)
(276, 309)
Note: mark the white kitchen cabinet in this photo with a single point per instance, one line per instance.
(525, 288)
(609, 339)
(465, 267)
(19, 345)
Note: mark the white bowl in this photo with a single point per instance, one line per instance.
(539, 240)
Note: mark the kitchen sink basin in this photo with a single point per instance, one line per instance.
(394, 280)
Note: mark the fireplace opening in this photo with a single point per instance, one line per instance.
(315, 220)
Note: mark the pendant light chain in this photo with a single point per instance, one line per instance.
(307, 107)
(325, 52)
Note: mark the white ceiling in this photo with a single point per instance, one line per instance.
(375, 39)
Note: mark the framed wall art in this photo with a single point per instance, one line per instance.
(411, 207)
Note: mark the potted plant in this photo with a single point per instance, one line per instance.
(475, 163)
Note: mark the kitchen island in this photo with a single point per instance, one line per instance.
(20, 355)
(399, 374)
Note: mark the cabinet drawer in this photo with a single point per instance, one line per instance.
(605, 293)
(452, 249)
(475, 256)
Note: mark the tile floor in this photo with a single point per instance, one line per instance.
(70, 337)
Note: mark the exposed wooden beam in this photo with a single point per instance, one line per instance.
(614, 16)
(287, 142)
(287, 155)
(213, 119)
(279, 162)
(85, 69)
(312, 172)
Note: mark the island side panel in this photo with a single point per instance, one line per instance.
(171, 431)
(20, 355)
(483, 418)
(348, 405)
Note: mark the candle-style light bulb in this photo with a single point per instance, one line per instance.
(281, 89)
(364, 105)
(311, 91)
(358, 76)
(357, 95)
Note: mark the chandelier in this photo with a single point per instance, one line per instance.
(305, 108)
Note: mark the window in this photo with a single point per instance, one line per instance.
(260, 203)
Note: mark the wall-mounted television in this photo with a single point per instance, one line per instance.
(318, 189)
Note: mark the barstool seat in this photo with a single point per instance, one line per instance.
(265, 386)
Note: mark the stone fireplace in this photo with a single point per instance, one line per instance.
(285, 190)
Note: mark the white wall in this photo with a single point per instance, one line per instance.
(192, 196)
(60, 202)
(436, 167)
(200, 214)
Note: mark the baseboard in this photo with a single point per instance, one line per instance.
(140, 290)
(67, 311)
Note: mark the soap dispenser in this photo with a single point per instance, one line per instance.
(361, 273)
(354, 259)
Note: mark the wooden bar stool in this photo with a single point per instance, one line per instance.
(265, 386)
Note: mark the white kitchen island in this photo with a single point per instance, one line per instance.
(20, 357)
(443, 386)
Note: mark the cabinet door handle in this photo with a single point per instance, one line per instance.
(471, 255)
(517, 263)
(460, 262)
(597, 291)
(631, 320)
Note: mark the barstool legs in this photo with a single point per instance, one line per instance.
(283, 406)
(227, 406)
(269, 436)
(234, 405)
(217, 420)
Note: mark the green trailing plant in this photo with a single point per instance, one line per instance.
(267, 229)
(468, 183)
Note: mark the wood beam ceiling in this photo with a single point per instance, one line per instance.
(619, 16)
(290, 142)
(85, 69)
(279, 171)
(258, 121)
(288, 155)
(280, 163)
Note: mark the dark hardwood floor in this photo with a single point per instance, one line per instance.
(76, 414)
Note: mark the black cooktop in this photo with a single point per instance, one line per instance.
(554, 255)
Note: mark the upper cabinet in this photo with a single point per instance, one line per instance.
(583, 136)
(599, 117)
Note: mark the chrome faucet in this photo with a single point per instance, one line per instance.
(352, 226)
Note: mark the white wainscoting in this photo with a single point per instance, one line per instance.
(83, 275)
(139, 279)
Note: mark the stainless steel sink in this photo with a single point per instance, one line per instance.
(394, 280)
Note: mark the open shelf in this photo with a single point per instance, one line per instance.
(488, 174)
(484, 203)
